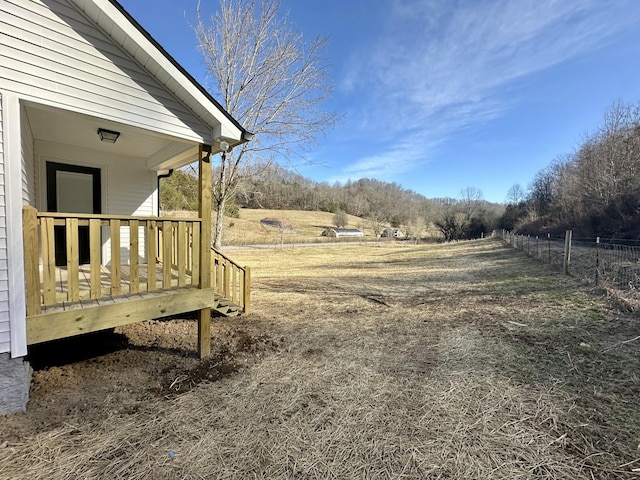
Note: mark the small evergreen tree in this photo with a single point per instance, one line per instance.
(179, 192)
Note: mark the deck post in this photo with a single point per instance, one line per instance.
(31, 259)
(247, 291)
(204, 212)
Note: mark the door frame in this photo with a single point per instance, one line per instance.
(51, 169)
(52, 189)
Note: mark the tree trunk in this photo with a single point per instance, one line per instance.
(220, 199)
(217, 233)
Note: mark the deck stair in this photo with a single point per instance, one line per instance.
(226, 308)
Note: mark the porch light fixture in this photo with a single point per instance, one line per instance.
(224, 146)
(108, 135)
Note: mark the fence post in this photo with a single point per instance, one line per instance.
(597, 258)
(537, 249)
(567, 252)
(549, 246)
(528, 244)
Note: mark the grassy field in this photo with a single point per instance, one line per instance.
(307, 227)
(452, 361)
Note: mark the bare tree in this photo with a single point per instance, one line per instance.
(340, 219)
(452, 224)
(608, 162)
(515, 194)
(470, 198)
(376, 226)
(270, 79)
(414, 228)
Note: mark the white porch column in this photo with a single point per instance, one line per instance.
(13, 205)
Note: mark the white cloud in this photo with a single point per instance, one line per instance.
(439, 66)
(400, 157)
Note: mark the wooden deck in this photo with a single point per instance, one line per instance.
(171, 297)
(108, 293)
(113, 311)
(169, 269)
(119, 304)
(61, 302)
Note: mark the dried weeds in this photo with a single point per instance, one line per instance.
(451, 361)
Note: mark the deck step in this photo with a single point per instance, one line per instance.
(226, 307)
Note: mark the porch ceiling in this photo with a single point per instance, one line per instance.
(158, 151)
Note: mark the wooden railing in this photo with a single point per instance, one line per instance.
(163, 253)
(173, 249)
(150, 240)
(230, 280)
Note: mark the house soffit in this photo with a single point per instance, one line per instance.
(155, 151)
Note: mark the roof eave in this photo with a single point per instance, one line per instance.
(189, 89)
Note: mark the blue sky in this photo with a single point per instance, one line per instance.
(439, 95)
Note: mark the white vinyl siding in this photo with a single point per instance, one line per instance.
(130, 192)
(5, 325)
(53, 52)
(28, 165)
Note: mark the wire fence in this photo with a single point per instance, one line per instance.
(604, 263)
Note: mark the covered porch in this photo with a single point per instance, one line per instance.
(169, 269)
(97, 253)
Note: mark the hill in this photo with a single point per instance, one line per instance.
(369, 203)
(306, 226)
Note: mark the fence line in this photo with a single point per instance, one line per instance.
(599, 262)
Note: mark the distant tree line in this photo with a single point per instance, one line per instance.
(377, 203)
(467, 217)
(279, 188)
(594, 190)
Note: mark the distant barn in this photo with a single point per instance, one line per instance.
(277, 223)
(392, 233)
(342, 232)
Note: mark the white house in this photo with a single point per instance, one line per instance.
(92, 112)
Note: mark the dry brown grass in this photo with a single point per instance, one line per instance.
(307, 227)
(393, 361)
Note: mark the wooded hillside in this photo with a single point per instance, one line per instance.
(378, 204)
(594, 190)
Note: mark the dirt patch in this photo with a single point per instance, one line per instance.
(89, 377)
(230, 356)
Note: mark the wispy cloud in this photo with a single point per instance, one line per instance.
(440, 66)
(398, 158)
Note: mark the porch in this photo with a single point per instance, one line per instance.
(157, 266)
